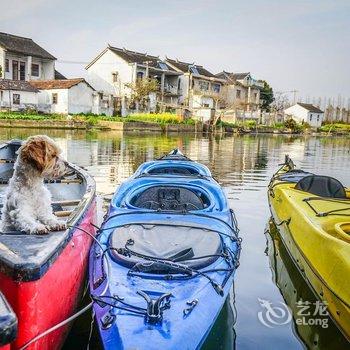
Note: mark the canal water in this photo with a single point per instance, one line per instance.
(243, 165)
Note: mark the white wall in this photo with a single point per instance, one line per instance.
(27, 99)
(46, 67)
(100, 74)
(302, 115)
(45, 101)
(184, 83)
(315, 119)
(2, 61)
(80, 99)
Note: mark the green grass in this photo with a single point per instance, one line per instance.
(336, 127)
(159, 118)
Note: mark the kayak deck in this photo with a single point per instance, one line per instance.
(315, 230)
(166, 257)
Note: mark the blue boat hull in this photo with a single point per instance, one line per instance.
(192, 301)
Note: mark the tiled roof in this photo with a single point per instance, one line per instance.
(136, 57)
(310, 107)
(17, 85)
(59, 76)
(238, 76)
(185, 67)
(21, 45)
(57, 84)
(232, 76)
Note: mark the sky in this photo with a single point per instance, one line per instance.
(294, 45)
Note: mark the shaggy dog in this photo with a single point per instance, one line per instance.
(27, 204)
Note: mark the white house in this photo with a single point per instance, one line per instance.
(17, 95)
(305, 113)
(23, 59)
(201, 91)
(68, 96)
(115, 69)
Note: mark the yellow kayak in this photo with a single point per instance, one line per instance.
(312, 214)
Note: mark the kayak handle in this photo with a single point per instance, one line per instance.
(155, 307)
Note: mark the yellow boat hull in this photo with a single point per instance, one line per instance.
(319, 245)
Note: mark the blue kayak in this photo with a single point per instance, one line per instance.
(165, 258)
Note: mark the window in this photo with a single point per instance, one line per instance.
(16, 99)
(114, 77)
(139, 75)
(163, 66)
(22, 71)
(318, 117)
(54, 99)
(194, 70)
(203, 85)
(15, 70)
(205, 105)
(35, 70)
(310, 117)
(256, 97)
(7, 65)
(216, 88)
(238, 94)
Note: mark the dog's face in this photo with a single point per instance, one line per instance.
(43, 154)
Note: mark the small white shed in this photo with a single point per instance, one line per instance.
(17, 95)
(66, 96)
(305, 113)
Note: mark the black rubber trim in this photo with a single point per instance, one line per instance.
(8, 322)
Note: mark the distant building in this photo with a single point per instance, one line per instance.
(243, 92)
(115, 69)
(23, 59)
(201, 91)
(68, 96)
(305, 113)
(16, 95)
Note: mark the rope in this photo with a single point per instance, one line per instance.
(58, 325)
(331, 200)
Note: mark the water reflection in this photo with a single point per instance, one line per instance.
(294, 288)
(243, 165)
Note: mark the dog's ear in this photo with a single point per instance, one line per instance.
(34, 152)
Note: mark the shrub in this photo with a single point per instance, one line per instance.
(293, 125)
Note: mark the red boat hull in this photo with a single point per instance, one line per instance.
(43, 303)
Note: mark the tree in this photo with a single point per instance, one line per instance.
(141, 89)
(280, 102)
(266, 97)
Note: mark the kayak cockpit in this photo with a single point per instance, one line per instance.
(197, 247)
(173, 198)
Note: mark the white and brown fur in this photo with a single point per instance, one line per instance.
(27, 203)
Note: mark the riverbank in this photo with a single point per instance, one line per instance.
(161, 123)
(164, 122)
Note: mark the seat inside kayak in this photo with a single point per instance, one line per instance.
(323, 186)
(27, 257)
(173, 170)
(170, 198)
(174, 242)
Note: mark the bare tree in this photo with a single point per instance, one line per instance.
(141, 89)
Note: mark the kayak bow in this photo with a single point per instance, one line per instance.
(167, 253)
(312, 214)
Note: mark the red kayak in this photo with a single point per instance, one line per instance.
(42, 276)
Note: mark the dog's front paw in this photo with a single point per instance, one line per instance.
(39, 230)
(60, 226)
